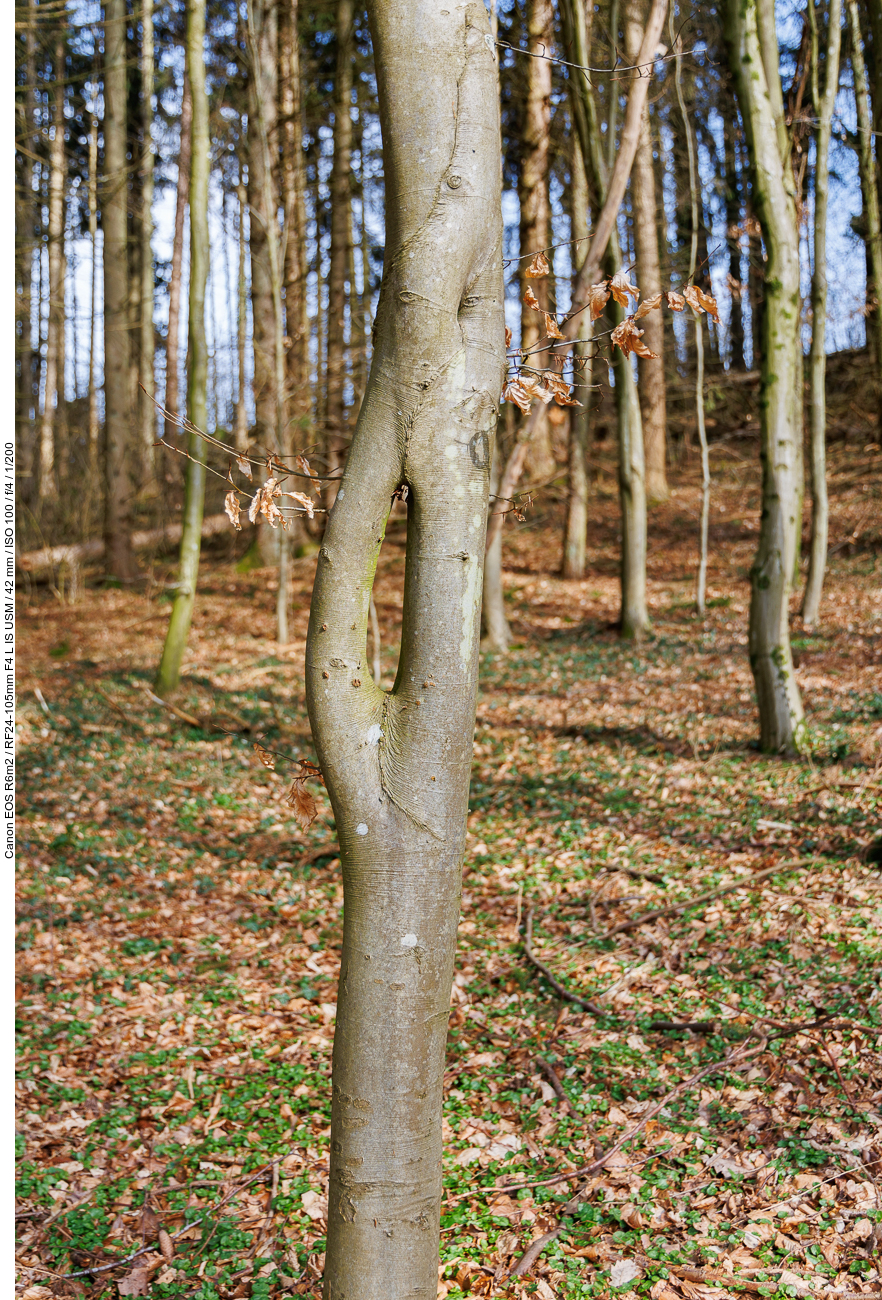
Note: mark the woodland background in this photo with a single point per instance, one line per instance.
(179, 930)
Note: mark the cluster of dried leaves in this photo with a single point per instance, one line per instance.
(548, 384)
(263, 503)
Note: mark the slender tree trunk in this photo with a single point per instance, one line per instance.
(341, 238)
(25, 227)
(294, 205)
(263, 207)
(575, 539)
(169, 673)
(824, 103)
(604, 252)
(241, 438)
(173, 338)
(701, 585)
(644, 212)
(497, 634)
(733, 211)
(782, 728)
(117, 405)
(146, 407)
(53, 394)
(870, 192)
(535, 222)
(92, 400)
(402, 833)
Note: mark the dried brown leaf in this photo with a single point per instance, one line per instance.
(598, 297)
(538, 267)
(627, 336)
(675, 301)
(302, 803)
(700, 301)
(531, 300)
(302, 500)
(517, 392)
(265, 757)
(647, 305)
(231, 505)
(552, 329)
(620, 286)
(166, 1245)
(508, 337)
(245, 466)
(135, 1283)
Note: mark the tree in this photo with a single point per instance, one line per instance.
(341, 239)
(118, 487)
(651, 370)
(197, 378)
(870, 190)
(397, 764)
(173, 335)
(54, 381)
(823, 103)
(750, 34)
(146, 408)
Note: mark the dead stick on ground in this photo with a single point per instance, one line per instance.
(740, 1056)
(689, 903)
(555, 984)
(189, 718)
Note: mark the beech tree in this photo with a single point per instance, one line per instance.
(750, 31)
(397, 763)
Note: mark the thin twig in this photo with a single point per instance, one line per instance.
(689, 903)
(555, 983)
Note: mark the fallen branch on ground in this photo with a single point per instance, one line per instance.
(555, 983)
(79, 553)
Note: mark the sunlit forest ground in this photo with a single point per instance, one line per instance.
(179, 935)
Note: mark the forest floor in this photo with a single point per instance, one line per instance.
(179, 935)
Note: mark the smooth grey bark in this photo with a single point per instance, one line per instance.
(173, 336)
(197, 378)
(263, 210)
(53, 391)
(118, 486)
(341, 239)
(823, 102)
(782, 728)
(604, 253)
(397, 763)
(870, 192)
(497, 634)
(146, 407)
(241, 432)
(294, 268)
(701, 584)
(644, 215)
(575, 536)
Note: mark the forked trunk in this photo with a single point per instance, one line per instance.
(811, 601)
(397, 764)
(782, 729)
(197, 378)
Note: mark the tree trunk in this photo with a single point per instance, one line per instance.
(575, 539)
(824, 103)
(241, 436)
(535, 220)
(497, 633)
(92, 399)
(53, 393)
(397, 764)
(733, 211)
(604, 251)
(173, 338)
(294, 205)
(341, 238)
(117, 405)
(644, 212)
(146, 406)
(782, 729)
(263, 207)
(25, 228)
(870, 192)
(169, 673)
